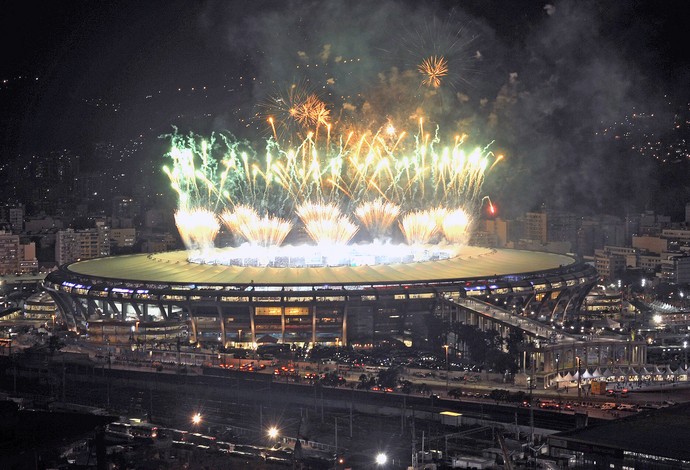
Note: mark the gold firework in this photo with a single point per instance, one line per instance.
(419, 227)
(267, 231)
(455, 226)
(377, 216)
(325, 224)
(198, 228)
(433, 68)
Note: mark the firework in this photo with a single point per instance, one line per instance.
(377, 216)
(257, 194)
(442, 49)
(455, 225)
(295, 111)
(419, 227)
(267, 231)
(433, 69)
(325, 224)
(312, 111)
(337, 231)
(198, 228)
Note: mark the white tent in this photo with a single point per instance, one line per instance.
(586, 374)
(568, 377)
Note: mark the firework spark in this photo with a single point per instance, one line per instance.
(267, 231)
(325, 224)
(419, 227)
(378, 216)
(433, 68)
(198, 228)
(455, 226)
(256, 194)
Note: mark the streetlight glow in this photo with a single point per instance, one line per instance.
(273, 432)
(196, 419)
(381, 458)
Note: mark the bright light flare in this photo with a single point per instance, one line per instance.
(196, 418)
(381, 458)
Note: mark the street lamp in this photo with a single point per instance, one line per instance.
(558, 358)
(196, 419)
(381, 459)
(445, 346)
(579, 378)
(272, 432)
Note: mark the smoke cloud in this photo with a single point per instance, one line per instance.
(542, 95)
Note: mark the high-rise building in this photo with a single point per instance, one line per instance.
(72, 245)
(536, 226)
(28, 263)
(9, 253)
(16, 218)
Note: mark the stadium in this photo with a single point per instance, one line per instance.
(163, 297)
(349, 240)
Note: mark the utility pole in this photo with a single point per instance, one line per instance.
(531, 404)
(63, 378)
(414, 445)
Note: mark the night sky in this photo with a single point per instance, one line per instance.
(553, 86)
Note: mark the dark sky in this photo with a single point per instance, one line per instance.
(537, 79)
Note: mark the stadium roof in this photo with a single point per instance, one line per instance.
(173, 267)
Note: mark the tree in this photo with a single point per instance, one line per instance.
(54, 344)
(514, 340)
(389, 377)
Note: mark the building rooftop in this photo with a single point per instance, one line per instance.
(662, 433)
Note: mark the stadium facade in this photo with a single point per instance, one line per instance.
(162, 297)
